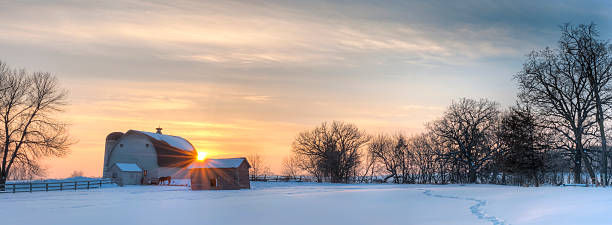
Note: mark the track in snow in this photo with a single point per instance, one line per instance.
(475, 209)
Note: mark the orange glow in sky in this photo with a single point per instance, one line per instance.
(237, 78)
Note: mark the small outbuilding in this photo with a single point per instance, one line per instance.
(220, 174)
(126, 173)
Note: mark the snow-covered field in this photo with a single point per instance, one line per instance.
(310, 203)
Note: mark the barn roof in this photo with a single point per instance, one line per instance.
(174, 141)
(219, 163)
(128, 167)
(114, 136)
(172, 151)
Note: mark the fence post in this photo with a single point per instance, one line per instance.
(14, 188)
(75, 185)
(30, 187)
(87, 185)
(100, 183)
(61, 186)
(47, 187)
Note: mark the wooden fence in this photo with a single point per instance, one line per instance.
(276, 178)
(268, 178)
(54, 186)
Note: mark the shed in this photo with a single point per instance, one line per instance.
(126, 173)
(220, 174)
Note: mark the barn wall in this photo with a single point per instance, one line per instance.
(199, 180)
(108, 147)
(135, 150)
(243, 173)
(227, 179)
(130, 178)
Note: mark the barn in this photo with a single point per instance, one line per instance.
(220, 174)
(155, 154)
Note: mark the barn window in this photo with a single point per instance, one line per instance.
(147, 145)
(213, 182)
(121, 145)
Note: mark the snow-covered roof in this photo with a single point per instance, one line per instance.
(128, 167)
(218, 163)
(174, 141)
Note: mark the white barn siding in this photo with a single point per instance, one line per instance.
(135, 148)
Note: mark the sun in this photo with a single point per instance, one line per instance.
(201, 156)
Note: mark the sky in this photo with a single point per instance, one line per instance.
(237, 78)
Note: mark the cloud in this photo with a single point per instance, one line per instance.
(257, 98)
(246, 76)
(281, 32)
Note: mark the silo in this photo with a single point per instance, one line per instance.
(111, 140)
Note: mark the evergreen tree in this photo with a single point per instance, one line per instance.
(523, 144)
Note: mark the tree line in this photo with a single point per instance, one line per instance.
(555, 133)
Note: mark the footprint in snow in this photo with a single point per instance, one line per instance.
(475, 209)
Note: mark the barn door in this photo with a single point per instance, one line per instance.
(213, 182)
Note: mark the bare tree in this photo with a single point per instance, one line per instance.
(259, 165)
(310, 165)
(426, 158)
(29, 132)
(291, 166)
(370, 168)
(393, 154)
(467, 129)
(381, 149)
(29, 172)
(551, 81)
(594, 61)
(331, 150)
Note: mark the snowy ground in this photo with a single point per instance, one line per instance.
(309, 203)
